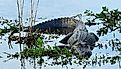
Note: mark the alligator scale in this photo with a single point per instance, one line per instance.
(57, 26)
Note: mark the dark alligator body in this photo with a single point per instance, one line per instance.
(56, 26)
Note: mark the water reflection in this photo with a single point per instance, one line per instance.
(64, 57)
(48, 59)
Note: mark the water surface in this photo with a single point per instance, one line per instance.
(53, 9)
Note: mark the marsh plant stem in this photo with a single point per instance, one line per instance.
(33, 13)
(20, 6)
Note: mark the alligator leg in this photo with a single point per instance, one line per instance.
(64, 40)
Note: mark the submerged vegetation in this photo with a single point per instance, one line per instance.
(35, 49)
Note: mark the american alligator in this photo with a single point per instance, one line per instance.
(57, 26)
(78, 38)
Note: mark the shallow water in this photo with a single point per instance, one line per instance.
(52, 9)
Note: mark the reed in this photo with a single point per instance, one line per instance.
(33, 13)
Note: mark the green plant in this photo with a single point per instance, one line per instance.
(110, 19)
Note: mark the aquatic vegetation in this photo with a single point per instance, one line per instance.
(34, 49)
(110, 19)
(9, 25)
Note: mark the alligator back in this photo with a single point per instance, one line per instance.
(57, 26)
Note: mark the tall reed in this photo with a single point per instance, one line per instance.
(20, 6)
(33, 14)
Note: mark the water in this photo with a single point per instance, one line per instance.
(52, 9)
